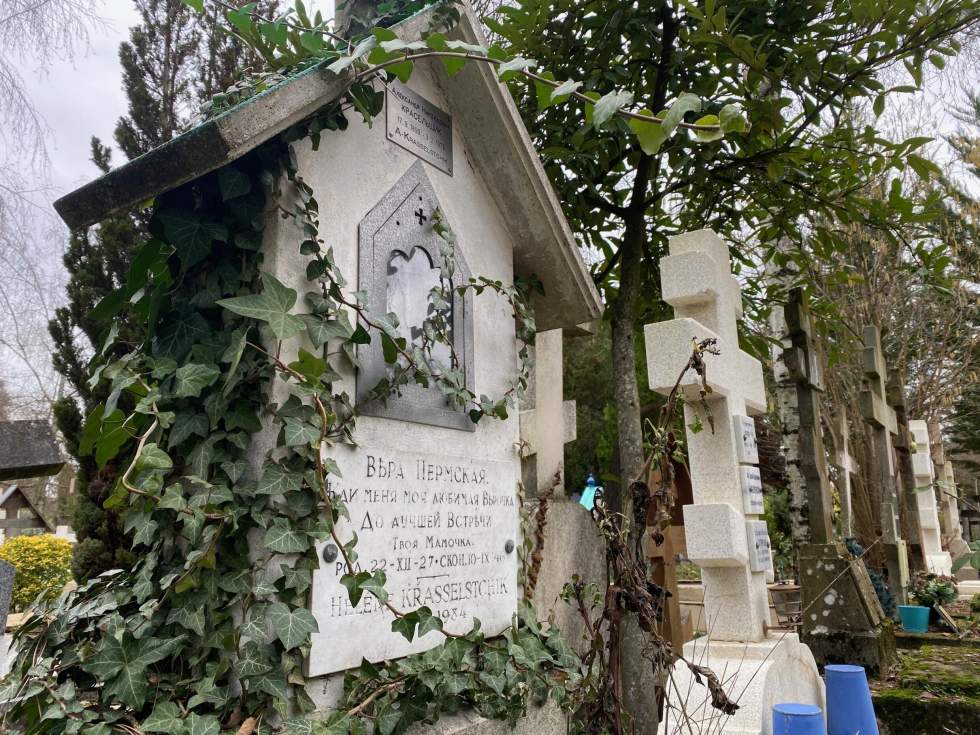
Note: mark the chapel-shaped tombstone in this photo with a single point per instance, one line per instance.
(432, 499)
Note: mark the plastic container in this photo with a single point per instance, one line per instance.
(915, 618)
(849, 710)
(797, 719)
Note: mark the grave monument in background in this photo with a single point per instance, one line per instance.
(842, 620)
(937, 560)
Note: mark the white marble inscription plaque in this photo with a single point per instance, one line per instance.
(746, 445)
(419, 127)
(751, 481)
(760, 551)
(439, 527)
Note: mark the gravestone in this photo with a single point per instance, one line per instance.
(937, 560)
(884, 426)
(848, 469)
(725, 535)
(8, 574)
(902, 444)
(842, 617)
(949, 506)
(433, 499)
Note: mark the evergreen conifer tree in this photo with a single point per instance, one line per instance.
(174, 61)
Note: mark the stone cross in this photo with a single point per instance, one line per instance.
(797, 365)
(949, 509)
(548, 424)
(884, 423)
(725, 535)
(936, 560)
(848, 468)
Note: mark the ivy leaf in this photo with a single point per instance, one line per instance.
(202, 724)
(283, 539)
(192, 378)
(253, 659)
(387, 719)
(271, 306)
(651, 135)
(299, 432)
(197, 5)
(563, 91)
(375, 584)
(191, 236)
(277, 480)
(732, 119)
(706, 136)
(608, 105)
(685, 102)
(292, 626)
(309, 366)
(405, 625)
(353, 583)
(427, 621)
(165, 717)
(173, 499)
(233, 356)
(362, 48)
(233, 183)
(509, 69)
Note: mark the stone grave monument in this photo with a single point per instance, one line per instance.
(908, 512)
(882, 474)
(842, 617)
(937, 560)
(725, 534)
(432, 497)
(949, 506)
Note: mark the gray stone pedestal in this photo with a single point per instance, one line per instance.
(843, 622)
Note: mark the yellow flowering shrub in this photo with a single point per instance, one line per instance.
(43, 564)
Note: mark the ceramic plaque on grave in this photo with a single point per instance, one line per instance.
(751, 481)
(746, 444)
(760, 549)
(443, 529)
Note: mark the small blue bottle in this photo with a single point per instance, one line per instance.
(587, 500)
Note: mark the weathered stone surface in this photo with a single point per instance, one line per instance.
(28, 449)
(7, 575)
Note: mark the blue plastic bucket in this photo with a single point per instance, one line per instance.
(915, 618)
(849, 710)
(797, 719)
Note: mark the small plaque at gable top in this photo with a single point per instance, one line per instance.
(751, 480)
(760, 550)
(746, 445)
(418, 126)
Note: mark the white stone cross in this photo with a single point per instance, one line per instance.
(937, 561)
(724, 534)
(848, 467)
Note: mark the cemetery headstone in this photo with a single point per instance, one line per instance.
(8, 574)
(884, 426)
(724, 533)
(842, 617)
(937, 560)
(433, 499)
(949, 507)
(902, 443)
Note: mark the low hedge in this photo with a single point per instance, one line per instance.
(43, 565)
